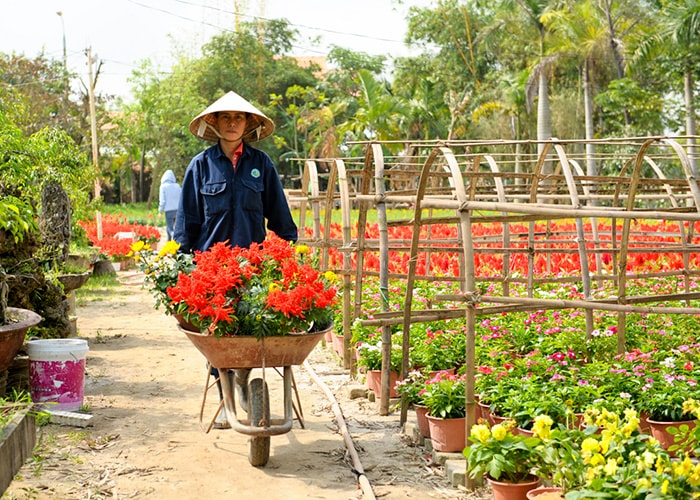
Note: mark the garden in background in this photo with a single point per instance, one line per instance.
(540, 364)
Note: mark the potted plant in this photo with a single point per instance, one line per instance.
(621, 462)
(369, 359)
(507, 460)
(663, 401)
(265, 290)
(437, 349)
(445, 398)
(412, 389)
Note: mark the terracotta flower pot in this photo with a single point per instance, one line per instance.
(422, 420)
(513, 491)
(339, 344)
(374, 382)
(448, 434)
(486, 412)
(659, 431)
(12, 334)
(546, 493)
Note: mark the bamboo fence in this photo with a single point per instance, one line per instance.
(508, 184)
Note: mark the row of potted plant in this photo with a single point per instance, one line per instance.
(610, 458)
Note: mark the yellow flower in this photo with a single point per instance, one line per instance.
(694, 478)
(301, 249)
(499, 432)
(629, 428)
(591, 474)
(170, 248)
(139, 245)
(596, 459)
(542, 427)
(683, 468)
(643, 483)
(330, 276)
(646, 461)
(273, 287)
(664, 487)
(480, 433)
(590, 445)
(610, 467)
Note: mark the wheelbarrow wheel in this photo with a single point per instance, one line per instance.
(259, 414)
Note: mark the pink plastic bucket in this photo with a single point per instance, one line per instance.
(57, 372)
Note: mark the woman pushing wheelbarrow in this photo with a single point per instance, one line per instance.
(253, 298)
(230, 189)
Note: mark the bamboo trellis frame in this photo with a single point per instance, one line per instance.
(486, 182)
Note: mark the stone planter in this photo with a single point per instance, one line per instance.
(17, 440)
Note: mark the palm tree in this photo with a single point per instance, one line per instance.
(682, 24)
(581, 31)
(533, 10)
(676, 39)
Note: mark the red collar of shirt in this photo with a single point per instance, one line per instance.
(237, 154)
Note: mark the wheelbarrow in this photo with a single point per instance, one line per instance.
(238, 352)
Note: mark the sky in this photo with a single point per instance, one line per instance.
(120, 33)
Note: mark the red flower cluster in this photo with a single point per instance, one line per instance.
(113, 225)
(265, 289)
(560, 248)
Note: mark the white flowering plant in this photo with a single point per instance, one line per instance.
(370, 354)
(162, 269)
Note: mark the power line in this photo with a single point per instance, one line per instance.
(258, 18)
(323, 30)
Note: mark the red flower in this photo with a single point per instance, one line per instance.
(261, 290)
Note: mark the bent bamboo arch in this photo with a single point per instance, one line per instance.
(479, 183)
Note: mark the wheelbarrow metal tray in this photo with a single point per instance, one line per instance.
(247, 351)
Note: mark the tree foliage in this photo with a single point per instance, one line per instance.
(481, 70)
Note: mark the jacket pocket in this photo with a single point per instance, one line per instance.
(215, 198)
(252, 196)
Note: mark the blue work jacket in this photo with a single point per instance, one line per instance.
(219, 204)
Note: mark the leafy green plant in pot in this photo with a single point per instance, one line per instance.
(500, 455)
(413, 387)
(370, 354)
(445, 395)
(438, 349)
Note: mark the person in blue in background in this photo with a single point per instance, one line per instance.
(168, 200)
(231, 191)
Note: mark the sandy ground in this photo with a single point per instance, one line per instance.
(144, 387)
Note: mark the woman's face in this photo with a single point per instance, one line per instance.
(231, 125)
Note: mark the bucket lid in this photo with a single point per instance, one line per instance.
(43, 346)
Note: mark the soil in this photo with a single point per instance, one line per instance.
(144, 386)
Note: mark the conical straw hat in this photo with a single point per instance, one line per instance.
(259, 125)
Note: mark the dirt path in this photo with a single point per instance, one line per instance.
(144, 388)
